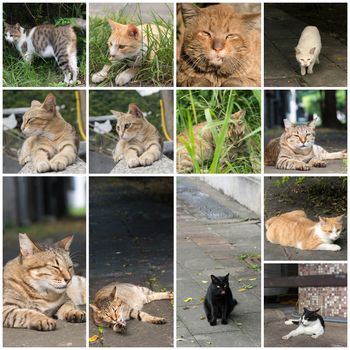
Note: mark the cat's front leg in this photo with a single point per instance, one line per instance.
(294, 333)
(64, 158)
(27, 57)
(101, 75)
(132, 159)
(311, 67)
(70, 313)
(24, 156)
(291, 164)
(124, 77)
(214, 316)
(117, 153)
(152, 154)
(317, 163)
(302, 70)
(41, 161)
(327, 246)
(145, 317)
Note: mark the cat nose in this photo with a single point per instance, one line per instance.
(218, 45)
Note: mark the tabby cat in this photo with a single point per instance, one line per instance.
(36, 284)
(294, 229)
(220, 47)
(52, 143)
(139, 141)
(296, 149)
(117, 303)
(45, 41)
(205, 144)
(128, 43)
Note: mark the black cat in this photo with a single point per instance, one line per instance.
(219, 302)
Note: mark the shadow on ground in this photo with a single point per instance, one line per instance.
(335, 334)
(327, 197)
(131, 240)
(282, 32)
(215, 235)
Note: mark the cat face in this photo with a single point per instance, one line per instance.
(124, 42)
(216, 36)
(332, 226)
(12, 33)
(107, 312)
(300, 137)
(237, 127)
(309, 316)
(39, 116)
(220, 285)
(305, 56)
(129, 125)
(46, 268)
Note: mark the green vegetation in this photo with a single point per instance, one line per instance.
(216, 107)
(41, 72)
(155, 72)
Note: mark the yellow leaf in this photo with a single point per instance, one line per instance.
(242, 289)
(188, 300)
(93, 338)
(252, 279)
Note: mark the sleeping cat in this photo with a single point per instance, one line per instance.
(308, 49)
(139, 141)
(128, 43)
(220, 47)
(310, 323)
(45, 41)
(294, 229)
(219, 302)
(52, 144)
(205, 144)
(296, 149)
(117, 303)
(36, 286)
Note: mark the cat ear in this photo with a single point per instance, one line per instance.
(322, 220)
(312, 124)
(226, 277)
(35, 103)
(305, 309)
(65, 243)
(134, 110)
(26, 246)
(133, 31)
(340, 217)
(18, 26)
(312, 51)
(94, 308)
(214, 279)
(50, 103)
(287, 124)
(238, 115)
(251, 19)
(113, 293)
(114, 25)
(189, 12)
(297, 50)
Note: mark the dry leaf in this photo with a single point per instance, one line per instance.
(93, 338)
(187, 300)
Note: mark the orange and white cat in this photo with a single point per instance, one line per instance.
(294, 229)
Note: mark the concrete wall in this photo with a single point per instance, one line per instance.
(244, 189)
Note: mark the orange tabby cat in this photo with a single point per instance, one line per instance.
(294, 229)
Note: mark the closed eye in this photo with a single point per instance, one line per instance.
(205, 34)
(122, 47)
(232, 36)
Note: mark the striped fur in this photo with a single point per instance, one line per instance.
(204, 143)
(47, 40)
(296, 149)
(35, 286)
(52, 144)
(117, 303)
(139, 141)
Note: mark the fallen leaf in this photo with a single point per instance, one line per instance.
(202, 318)
(252, 279)
(242, 289)
(100, 330)
(204, 281)
(187, 300)
(180, 339)
(93, 338)
(239, 324)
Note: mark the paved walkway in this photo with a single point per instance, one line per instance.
(213, 231)
(282, 33)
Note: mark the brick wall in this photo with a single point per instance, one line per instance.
(331, 300)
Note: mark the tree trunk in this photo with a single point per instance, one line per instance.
(329, 115)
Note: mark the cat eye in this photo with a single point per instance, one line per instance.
(205, 34)
(109, 43)
(218, 286)
(232, 36)
(126, 126)
(122, 47)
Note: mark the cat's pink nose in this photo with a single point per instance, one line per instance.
(218, 49)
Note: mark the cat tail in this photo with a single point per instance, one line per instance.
(78, 23)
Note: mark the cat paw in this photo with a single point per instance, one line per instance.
(75, 316)
(170, 295)
(285, 337)
(303, 167)
(98, 78)
(133, 162)
(146, 159)
(42, 166)
(344, 153)
(123, 78)
(24, 160)
(158, 320)
(119, 327)
(319, 164)
(58, 164)
(44, 324)
(223, 321)
(335, 247)
(213, 323)
(315, 336)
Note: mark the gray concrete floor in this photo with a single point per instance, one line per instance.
(212, 232)
(282, 33)
(335, 335)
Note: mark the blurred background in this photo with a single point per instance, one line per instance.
(157, 106)
(70, 104)
(47, 209)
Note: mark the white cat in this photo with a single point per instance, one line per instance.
(310, 323)
(308, 49)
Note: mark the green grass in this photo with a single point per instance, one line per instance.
(155, 72)
(215, 107)
(41, 72)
